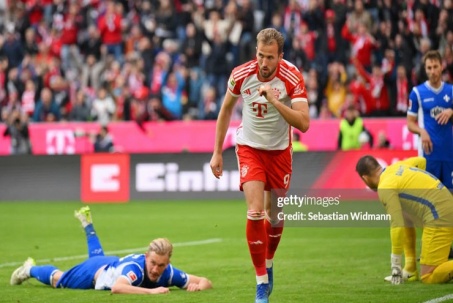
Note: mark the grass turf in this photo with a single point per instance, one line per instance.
(311, 265)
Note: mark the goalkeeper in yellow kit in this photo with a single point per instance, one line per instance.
(414, 198)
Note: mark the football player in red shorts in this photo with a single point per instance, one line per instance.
(274, 101)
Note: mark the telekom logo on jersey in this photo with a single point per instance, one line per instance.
(260, 109)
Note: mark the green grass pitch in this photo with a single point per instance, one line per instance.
(311, 265)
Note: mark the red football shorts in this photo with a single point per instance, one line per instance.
(273, 167)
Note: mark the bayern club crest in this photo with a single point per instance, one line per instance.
(276, 92)
(244, 170)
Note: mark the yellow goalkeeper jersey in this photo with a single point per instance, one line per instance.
(414, 197)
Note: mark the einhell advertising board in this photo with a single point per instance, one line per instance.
(113, 178)
(105, 178)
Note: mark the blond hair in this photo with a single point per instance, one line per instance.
(269, 35)
(161, 246)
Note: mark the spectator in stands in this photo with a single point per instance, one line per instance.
(81, 110)
(69, 34)
(30, 45)
(173, 94)
(216, 68)
(377, 87)
(359, 16)
(247, 41)
(92, 44)
(353, 134)
(362, 42)
(209, 109)
(91, 73)
(402, 89)
(103, 142)
(29, 97)
(46, 110)
(191, 46)
(336, 89)
(17, 129)
(132, 40)
(103, 107)
(110, 28)
(166, 22)
(11, 46)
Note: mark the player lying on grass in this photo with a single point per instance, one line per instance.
(413, 197)
(149, 273)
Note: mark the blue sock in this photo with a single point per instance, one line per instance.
(94, 245)
(42, 273)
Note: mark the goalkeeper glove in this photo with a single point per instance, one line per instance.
(397, 273)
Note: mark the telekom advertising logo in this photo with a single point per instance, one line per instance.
(60, 141)
(105, 178)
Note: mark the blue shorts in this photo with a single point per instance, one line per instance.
(443, 170)
(82, 276)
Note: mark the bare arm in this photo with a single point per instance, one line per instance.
(198, 283)
(296, 116)
(122, 286)
(413, 127)
(223, 121)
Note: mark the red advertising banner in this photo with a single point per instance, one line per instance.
(340, 172)
(105, 178)
(186, 136)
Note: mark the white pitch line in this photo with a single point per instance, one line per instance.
(116, 252)
(440, 299)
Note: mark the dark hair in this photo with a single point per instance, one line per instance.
(366, 165)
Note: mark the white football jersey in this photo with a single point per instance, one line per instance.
(262, 125)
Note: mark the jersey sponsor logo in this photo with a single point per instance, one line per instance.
(105, 178)
(446, 98)
(435, 111)
(428, 100)
(132, 276)
(244, 170)
(260, 109)
(166, 177)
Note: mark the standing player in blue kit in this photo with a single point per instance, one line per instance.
(429, 116)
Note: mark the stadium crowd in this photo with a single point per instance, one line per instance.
(149, 60)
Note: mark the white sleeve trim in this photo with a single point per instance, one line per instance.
(299, 100)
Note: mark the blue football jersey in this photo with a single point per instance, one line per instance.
(132, 267)
(426, 103)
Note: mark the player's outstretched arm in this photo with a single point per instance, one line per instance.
(198, 283)
(122, 286)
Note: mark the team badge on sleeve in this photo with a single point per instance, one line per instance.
(231, 82)
(132, 276)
